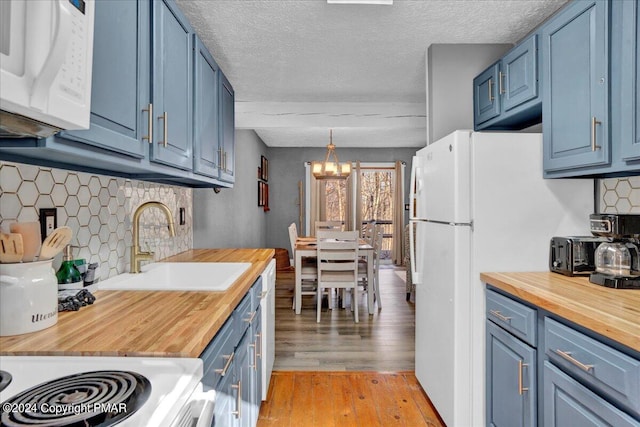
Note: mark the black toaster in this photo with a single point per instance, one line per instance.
(573, 255)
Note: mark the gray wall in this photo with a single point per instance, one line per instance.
(287, 169)
(232, 218)
(450, 72)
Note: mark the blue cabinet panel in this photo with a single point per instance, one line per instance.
(172, 86)
(205, 114)
(567, 404)
(120, 80)
(227, 130)
(518, 77)
(486, 103)
(511, 380)
(630, 81)
(575, 86)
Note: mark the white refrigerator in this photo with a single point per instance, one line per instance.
(480, 204)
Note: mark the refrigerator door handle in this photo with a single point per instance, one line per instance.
(416, 186)
(416, 278)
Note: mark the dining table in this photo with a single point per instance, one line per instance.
(307, 247)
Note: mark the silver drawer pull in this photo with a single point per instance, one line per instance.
(521, 389)
(223, 371)
(567, 356)
(238, 411)
(250, 319)
(500, 315)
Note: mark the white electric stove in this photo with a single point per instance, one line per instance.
(105, 391)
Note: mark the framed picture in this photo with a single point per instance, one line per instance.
(261, 193)
(266, 198)
(264, 168)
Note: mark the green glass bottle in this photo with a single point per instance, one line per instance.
(68, 273)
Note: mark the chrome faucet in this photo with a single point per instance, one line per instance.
(136, 254)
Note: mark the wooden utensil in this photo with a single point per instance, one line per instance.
(31, 240)
(55, 242)
(11, 248)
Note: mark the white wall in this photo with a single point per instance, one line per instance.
(450, 72)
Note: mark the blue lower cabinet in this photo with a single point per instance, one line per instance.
(567, 403)
(226, 400)
(511, 380)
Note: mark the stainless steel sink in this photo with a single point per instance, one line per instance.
(179, 276)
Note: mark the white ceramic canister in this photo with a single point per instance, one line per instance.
(28, 297)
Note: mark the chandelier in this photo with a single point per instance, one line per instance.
(331, 167)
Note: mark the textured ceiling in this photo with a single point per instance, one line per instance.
(308, 51)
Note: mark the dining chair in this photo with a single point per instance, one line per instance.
(377, 251)
(328, 225)
(338, 265)
(368, 231)
(309, 271)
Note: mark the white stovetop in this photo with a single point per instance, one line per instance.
(172, 380)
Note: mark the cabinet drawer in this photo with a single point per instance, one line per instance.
(606, 369)
(217, 358)
(516, 318)
(569, 403)
(244, 314)
(256, 293)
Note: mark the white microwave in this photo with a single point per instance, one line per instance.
(45, 66)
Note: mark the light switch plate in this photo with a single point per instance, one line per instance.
(48, 221)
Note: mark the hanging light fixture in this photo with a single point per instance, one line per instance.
(331, 167)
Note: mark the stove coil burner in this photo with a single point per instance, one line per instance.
(5, 379)
(99, 398)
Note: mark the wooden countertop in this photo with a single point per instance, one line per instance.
(613, 313)
(145, 323)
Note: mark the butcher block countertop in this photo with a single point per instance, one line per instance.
(145, 323)
(613, 313)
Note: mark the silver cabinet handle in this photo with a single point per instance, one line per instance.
(566, 355)
(164, 117)
(501, 90)
(521, 389)
(220, 157)
(224, 370)
(500, 315)
(250, 319)
(255, 357)
(594, 123)
(259, 345)
(238, 411)
(490, 90)
(149, 137)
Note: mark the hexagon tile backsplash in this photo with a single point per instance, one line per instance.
(98, 209)
(620, 195)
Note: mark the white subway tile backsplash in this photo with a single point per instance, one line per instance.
(620, 195)
(98, 209)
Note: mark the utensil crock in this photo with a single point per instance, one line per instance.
(28, 297)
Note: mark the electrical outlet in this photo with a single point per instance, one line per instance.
(48, 221)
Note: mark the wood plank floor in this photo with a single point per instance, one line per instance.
(382, 342)
(337, 399)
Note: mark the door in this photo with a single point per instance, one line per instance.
(205, 113)
(568, 403)
(120, 81)
(377, 195)
(486, 103)
(518, 75)
(442, 339)
(227, 130)
(511, 380)
(172, 86)
(575, 84)
(630, 82)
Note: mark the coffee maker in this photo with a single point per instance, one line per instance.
(617, 260)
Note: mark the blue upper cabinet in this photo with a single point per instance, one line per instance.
(120, 82)
(172, 86)
(227, 130)
(518, 76)
(630, 81)
(205, 113)
(576, 82)
(506, 93)
(485, 95)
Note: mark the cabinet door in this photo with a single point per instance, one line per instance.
(226, 400)
(243, 375)
(256, 386)
(120, 79)
(518, 74)
(172, 59)
(227, 129)
(575, 85)
(630, 82)
(486, 104)
(205, 138)
(568, 403)
(511, 380)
